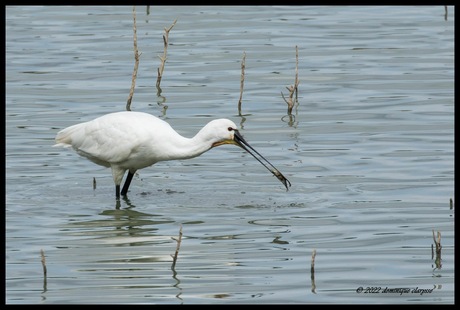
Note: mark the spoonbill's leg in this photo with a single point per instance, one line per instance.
(117, 173)
(124, 191)
(117, 191)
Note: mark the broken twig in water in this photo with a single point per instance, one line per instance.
(243, 66)
(43, 260)
(163, 58)
(136, 63)
(177, 249)
(312, 271)
(293, 89)
(437, 242)
(42, 254)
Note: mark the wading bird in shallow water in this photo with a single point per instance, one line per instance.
(135, 140)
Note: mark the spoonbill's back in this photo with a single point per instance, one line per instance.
(135, 140)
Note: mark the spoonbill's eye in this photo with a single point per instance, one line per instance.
(230, 129)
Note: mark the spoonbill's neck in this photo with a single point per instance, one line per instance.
(185, 148)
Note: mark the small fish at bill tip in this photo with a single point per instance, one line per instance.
(129, 141)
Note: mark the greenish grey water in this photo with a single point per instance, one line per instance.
(370, 154)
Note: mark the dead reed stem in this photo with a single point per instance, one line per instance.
(136, 63)
(437, 242)
(177, 248)
(43, 259)
(312, 271)
(296, 81)
(243, 66)
(293, 89)
(163, 58)
(45, 272)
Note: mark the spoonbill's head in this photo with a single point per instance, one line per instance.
(227, 133)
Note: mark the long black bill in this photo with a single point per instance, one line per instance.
(244, 145)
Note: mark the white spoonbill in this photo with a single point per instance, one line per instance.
(134, 140)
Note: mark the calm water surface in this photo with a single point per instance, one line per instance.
(369, 151)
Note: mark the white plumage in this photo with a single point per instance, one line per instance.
(134, 140)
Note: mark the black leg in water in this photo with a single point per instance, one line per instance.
(117, 191)
(124, 191)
